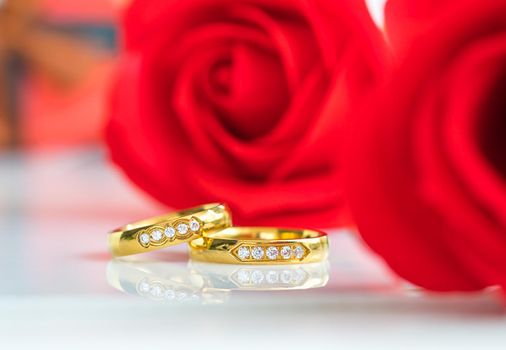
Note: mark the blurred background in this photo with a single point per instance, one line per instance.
(56, 61)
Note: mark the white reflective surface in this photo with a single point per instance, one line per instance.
(60, 289)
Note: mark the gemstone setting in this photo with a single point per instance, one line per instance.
(170, 232)
(156, 235)
(286, 252)
(194, 225)
(298, 252)
(144, 239)
(182, 228)
(257, 253)
(160, 234)
(272, 253)
(243, 252)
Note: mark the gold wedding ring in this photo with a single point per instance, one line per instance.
(170, 229)
(260, 245)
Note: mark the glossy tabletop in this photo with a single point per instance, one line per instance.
(60, 289)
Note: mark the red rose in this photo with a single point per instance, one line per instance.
(427, 161)
(404, 19)
(242, 102)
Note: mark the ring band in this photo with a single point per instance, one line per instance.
(260, 245)
(170, 229)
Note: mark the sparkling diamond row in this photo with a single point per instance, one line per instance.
(160, 234)
(270, 252)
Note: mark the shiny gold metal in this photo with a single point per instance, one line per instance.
(260, 245)
(170, 229)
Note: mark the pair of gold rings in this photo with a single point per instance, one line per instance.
(209, 232)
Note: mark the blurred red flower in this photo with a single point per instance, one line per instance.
(404, 19)
(427, 160)
(242, 102)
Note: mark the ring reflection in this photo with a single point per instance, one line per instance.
(205, 283)
(263, 277)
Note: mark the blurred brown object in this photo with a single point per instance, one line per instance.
(5, 129)
(14, 19)
(62, 60)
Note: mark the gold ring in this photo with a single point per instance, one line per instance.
(260, 245)
(170, 229)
